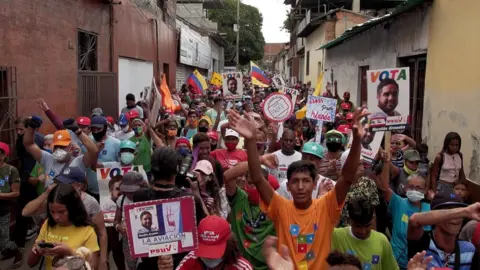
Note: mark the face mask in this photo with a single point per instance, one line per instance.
(132, 107)
(231, 146)
(172, 132)
(333, 147)
(203, 129)
(60, 154)
(408, 171)
(183, 152)
(127, 158)
(211, 263)
(99, 135)
(415, 196)
(138, 131)
(253, 195)
(49, 150)
(194, 123)
(125, 129)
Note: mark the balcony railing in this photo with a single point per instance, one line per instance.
(303, 23)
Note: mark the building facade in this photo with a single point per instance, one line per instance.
(78, 54)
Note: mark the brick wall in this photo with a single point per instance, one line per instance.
(329, 30)
(39, 37)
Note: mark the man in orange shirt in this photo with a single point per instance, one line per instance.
(304, 225)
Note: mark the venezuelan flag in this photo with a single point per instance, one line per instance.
(258, 73)
(198, 82)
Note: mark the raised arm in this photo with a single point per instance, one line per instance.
(418, 220)
(29, 138)
(384, 183)
(349, 170)
(90, 157)
(246, 127)
(56, 121)
(230, 175)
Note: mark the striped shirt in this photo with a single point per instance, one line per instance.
(192, 262)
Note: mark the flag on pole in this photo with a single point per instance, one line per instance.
(318, 88)
(167, 96)
(258, 83)
(198, 82)
(217, 79)
(257, 73)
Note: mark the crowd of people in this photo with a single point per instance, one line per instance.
(291, 195)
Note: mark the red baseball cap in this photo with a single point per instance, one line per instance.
(132, 114)
(344, 129)
(213, 234)
(213, 135)
(110, 120)
(349, 116)
(84, 121)
(5, 148)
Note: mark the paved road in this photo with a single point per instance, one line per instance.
(5, 265)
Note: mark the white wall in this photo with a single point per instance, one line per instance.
(378, 48)
(312, 43)
(133, 76)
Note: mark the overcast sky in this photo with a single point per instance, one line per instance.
(274, 13)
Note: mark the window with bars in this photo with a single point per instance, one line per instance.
(87, 51)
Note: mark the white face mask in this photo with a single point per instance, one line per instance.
(127, 158)
(60, 154)
(211, 263)
(415, 196)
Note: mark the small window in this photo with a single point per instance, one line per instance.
(87, 51)
(307, 69)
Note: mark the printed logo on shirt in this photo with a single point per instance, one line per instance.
(104, 152)
(52, 173)
(409, 213)
(303, 265)
(405, 218)
(375, 259)
(310, 256)
(294, 229)
(2, 182)
(367, 266)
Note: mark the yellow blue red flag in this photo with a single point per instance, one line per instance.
(198, 82)
(257, 73)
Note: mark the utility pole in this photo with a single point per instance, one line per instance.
(238, 35)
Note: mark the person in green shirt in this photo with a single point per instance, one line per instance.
(249, 224)
(144, 134)
(370, 247)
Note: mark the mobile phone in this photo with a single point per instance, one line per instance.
(46, 245)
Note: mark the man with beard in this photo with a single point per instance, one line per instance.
(387, 96)
(132, 105)
(232, 85)
(448, 212)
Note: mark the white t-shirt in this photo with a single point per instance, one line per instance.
(122, 136)
(283, 191)
(283, 162)
(54, 168)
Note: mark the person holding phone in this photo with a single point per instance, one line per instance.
(67, 228)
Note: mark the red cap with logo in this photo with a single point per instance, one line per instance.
(346, 106)
(344, 129)
(5, 148)
(213, 234)
(84, 121)
(349, 116)
(110, 120)
(132, 114)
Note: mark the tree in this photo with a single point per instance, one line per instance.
(252, 42)
(289, 23)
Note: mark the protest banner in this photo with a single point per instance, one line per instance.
(321, 108)
(277, 107)
(233, 84)
(153, 98)
(278, 81)
(161, 227)
(109, 178)
(388, 98)
(293, 92)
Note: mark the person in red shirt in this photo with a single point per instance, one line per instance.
(231, 156)
(217, 248)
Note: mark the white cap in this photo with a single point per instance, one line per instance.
(231, 132)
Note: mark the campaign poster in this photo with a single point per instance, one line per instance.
(109, 178)
(161, 227)
(293, 92)
(388, 98)
(278, 81)
(321, 108)
(233, 85)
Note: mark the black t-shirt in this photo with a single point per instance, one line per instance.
(149, 194)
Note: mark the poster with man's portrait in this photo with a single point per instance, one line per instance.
(161, 227)
(233, 85)
(388, 98)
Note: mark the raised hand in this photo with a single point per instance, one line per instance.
(245, 126)
(418, 262)
(70, 124)
(35, 122)
(42, 104)
(358, 130)
(274, 259)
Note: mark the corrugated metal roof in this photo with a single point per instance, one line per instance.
(359, 28)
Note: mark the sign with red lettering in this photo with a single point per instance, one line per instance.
(277, 107)
(321, 108)
(161, 227)
(109, 178)
(389, 98)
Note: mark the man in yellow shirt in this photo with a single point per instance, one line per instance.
(304, 225)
